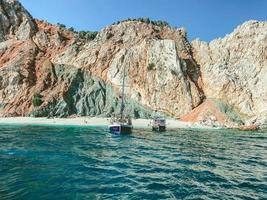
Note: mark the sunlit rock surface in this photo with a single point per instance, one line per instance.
(234, 69)
(164, 72)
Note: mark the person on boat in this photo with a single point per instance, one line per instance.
(129, 120)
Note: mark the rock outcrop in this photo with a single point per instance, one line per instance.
(74, 76)
(234, 70)
(214, 112)
(15, 21)
(71, 91)
(136, 46)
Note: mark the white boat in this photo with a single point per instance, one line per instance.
(159, 124)
(120, 128)
(121, 124)
(158, 121)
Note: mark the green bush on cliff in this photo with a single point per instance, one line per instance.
(46, 66)
(62, 26)
(175, 73)
(141, 19)
(37, 99)
(151, 66)
(71, 29)
(159, 23)
(91, 35)
(87, 35)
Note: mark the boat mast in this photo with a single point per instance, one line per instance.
(122, 94)
(155, 95)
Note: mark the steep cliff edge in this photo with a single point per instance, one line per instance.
(234, 70)
(59, 66)
(160, 69)
(47, 70)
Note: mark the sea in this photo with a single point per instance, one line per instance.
(72, 162)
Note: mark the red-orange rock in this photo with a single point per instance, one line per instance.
(249, 128)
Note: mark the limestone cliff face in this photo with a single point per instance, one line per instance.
(26, 44)
(15, 22)
(234, 69)
(74, 76)
(157, 63)
(80, 77)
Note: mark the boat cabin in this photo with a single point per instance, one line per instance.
(159, 124)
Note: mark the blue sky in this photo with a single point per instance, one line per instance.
(204, 19)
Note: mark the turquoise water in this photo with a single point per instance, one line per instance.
(89, 163)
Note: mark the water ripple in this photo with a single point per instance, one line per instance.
(89, 163)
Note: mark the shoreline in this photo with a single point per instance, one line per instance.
(95, 121)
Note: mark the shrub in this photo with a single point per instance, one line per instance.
(159, 23)
(61, 25)
(64, 27)
(82, 34)
(91, 35)
(151, 66)
(71, 29)
(37, 99)
(145, 20)
(46, 66)
(173, 72)
(87, 35)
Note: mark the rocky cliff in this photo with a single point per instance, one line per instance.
(47, 70)
(234, 70)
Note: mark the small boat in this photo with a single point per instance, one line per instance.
(159, 124)
(121, 124)
(158, 121)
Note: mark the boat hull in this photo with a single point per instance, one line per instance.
(120, 129)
